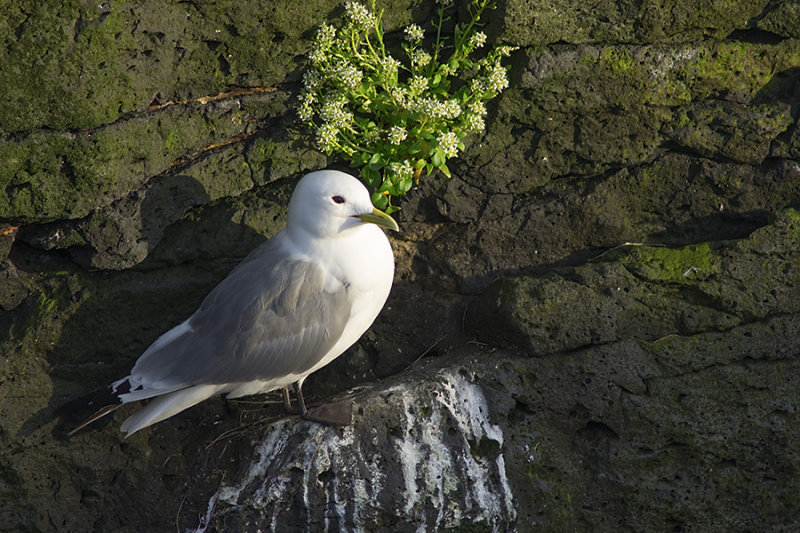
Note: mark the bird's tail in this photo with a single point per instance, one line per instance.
(168, 405)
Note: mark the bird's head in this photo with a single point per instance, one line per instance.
(327, 203)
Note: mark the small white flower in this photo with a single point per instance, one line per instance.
(326, 137)
(445, 70)
(420, 58)
(311, 79)
(397, 134)
(496, 78)
(420, 105)
(325, 35)
(334, 113)
(477, 86)
(430, 107)
(402, 170)
(505, 51)
(474, 123)
(347, 74)
(399, 94)
(305, 112)
(390, 65)
(417, 84)
(451, 109)
(433, 108)
(477, 40)
(306, 109)
(477, 108)
(414, 33)
(359, 15)
(448, 142)
(317, 56)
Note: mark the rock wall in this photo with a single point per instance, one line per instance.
(594, 324)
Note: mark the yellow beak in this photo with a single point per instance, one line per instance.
(379, 218)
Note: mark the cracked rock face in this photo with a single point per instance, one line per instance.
(594, 323)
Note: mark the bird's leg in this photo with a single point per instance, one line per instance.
(298, 391)
(287, 400)
(334, 414)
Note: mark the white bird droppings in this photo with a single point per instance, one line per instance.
(426, 455)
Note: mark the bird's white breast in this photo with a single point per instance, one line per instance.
(361, 258)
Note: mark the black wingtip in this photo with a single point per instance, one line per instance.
(102, 401)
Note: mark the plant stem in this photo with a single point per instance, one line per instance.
(473, 20)
(438, 44)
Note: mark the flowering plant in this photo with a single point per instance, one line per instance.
(396, 119)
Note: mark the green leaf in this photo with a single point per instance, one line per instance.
(385, 187)
(419, 163)
(371, 177)
(380, 200)
(376, 162)
(426, 135)
(438, 158)
(405, 185)
(445, 170)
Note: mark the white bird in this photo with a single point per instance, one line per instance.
(292, 306)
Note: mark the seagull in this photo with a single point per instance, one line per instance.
(292, 306)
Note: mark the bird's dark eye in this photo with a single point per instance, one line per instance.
(337, 199)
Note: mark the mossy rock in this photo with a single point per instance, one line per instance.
(49, 176)
(588, 109)
(647, 293)
(538, 23)
(739, 133)
(783, 19)
(681, 265)
(92, 64)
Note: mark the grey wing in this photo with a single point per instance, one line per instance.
(269, 318)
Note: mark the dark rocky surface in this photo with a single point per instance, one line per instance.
(594, 324)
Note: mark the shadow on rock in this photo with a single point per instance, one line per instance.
(90, 326)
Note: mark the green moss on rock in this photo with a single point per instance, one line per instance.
(740, 133)
(89, 65)
(783, 19)
(737, 69)
(49, 176)
(587, 109)
(537, 23)
(649, 292)
(674, 265)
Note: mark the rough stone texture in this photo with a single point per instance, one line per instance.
(649, 292)
(421, 454)
(536, 22)
(594, 324)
